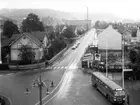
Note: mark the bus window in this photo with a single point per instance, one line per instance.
(96, 79)
(119, 93)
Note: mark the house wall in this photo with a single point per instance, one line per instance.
(24, 40)
(109, 39)
(79, 23)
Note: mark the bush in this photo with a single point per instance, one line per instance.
(4, 67)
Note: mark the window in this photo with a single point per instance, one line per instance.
(18, 45)
(30, 44)
(24, 37)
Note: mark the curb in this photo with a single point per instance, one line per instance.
(4, 100)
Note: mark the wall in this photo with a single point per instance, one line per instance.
(110, 39)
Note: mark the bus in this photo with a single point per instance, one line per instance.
(112, 91)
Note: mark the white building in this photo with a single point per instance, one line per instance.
(109, 39)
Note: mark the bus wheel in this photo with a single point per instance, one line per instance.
(108, 98)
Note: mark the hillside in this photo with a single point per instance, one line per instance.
(19, 14)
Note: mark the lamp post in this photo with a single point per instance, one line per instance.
(39, 83)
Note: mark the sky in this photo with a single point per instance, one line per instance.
(121, 8)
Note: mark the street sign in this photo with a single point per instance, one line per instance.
(127, 70)
(97, 56)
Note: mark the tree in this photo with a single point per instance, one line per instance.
(27, 55)
(57, 45)
(134, 32)
(80, 32)
(133, 56)
(32, 23)
(112, 58)
(9, 28)
(68, 32)
(97, 24)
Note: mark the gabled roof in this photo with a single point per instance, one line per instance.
(122, 29)
(37, 37)
(109, 39)
(5, 42)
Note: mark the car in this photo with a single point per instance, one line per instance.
(74, 47)
(77, 42)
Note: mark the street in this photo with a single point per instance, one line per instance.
(76, 87)
(73, 89)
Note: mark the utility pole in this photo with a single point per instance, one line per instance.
(106, 56)
(0, 45)
(123, 61)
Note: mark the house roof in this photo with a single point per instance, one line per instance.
(122, 29)
(109, 39)
(5, 42)
(37, 37)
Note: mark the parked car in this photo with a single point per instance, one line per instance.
(74, 47)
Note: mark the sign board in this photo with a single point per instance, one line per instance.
(127, 70)
(97, 56)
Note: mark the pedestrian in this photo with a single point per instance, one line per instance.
(128, 99)
(52, 85)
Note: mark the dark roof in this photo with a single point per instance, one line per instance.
(5, 42)
(3, 37)
(36, 36)
(122, 29)
(39, 35)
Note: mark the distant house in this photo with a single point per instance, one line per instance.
(127, 34)
(110, 44)
(109, 39)
(37, 40)
(79, 23)
(138, 34)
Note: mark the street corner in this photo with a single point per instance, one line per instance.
(4, 100)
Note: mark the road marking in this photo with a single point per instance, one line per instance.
(10, 74)
(57, 85)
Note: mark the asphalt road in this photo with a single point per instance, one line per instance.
(76, 88)
(13, 85)
(72, 86)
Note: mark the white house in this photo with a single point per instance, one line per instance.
(109, 39)
(37, 40)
